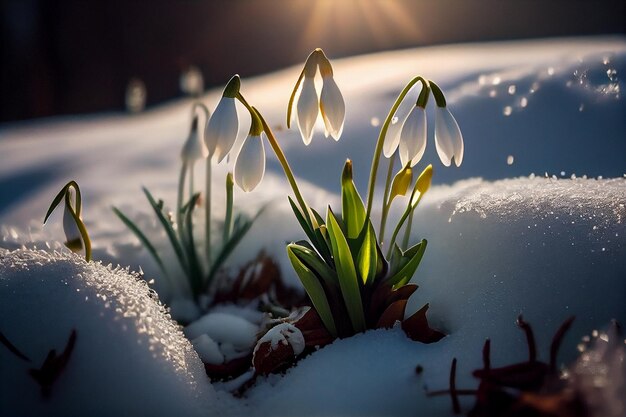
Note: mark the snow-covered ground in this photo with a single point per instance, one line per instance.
(501, 241)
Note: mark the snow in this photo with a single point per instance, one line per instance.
(235, 335)
(500, 241)
(547, 248)
(129, 357)
(285, 334)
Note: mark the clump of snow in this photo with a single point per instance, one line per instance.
(208, 350)
(285, 334)
(234, 335)
(129, 356)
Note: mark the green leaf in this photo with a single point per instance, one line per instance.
(303, 223)
(195, 268)
(318, 218)
(408, 264)
(315, 291)
(314, 262)
(142, 238)
(346, 273)
(167, 226)
(241, 226)
(352, 209)
(367, 258)
(395, 259)
(315, 235)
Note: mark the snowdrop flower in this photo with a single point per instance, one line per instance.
(413, 137)
(392, 135)
(308, 107)
(194, 148)
(221, 131)
(332, 106)
(448, 137)
(70, 228)
(250, 164)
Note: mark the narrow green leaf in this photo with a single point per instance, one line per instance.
(56, 201)
(167, 226)
(195, 268)
(346, 273)
(352, 208)
(319, 219)
(367, 258)
(303, 223)
(315, 291)
(411, 260)
(395, 259)
(314, 262)
(315, 235)
(241, 226)
(142, 238)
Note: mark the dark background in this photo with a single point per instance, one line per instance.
(64, 56)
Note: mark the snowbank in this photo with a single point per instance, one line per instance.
(130, 358)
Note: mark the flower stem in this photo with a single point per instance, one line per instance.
(407, 231)
(381, 140)
(409, 209)
(179, 202)
(191, 175)
(385, 205)
(207, 211)
(228, 219)
(281, 158)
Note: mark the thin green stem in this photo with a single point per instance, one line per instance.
(179, 200)
(228, 219)
(405, 215)
(191, 175)
(440, 99)
(281, 158)
(407, 230)
(385, 208)
(381, 140)
(207, 217)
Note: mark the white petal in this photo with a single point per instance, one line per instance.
(194, 148)
(413, 137)
(250, 164)
(72, 233)
(307, 109)
(448, 137)
(222, 129)
(392, 136)
(333, 107)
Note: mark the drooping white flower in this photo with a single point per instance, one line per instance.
(413, 137)
(448, 137)
(250, 164)
(307, 109)
(222, 129)
(194, 147)
(392, 136)
(332, 107)
(74, 240)
(308, 106)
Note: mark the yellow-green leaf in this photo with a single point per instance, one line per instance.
(315, 291)
(346, 273)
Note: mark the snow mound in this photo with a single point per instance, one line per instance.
(130, 358)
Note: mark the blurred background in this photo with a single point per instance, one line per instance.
(70, 57)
